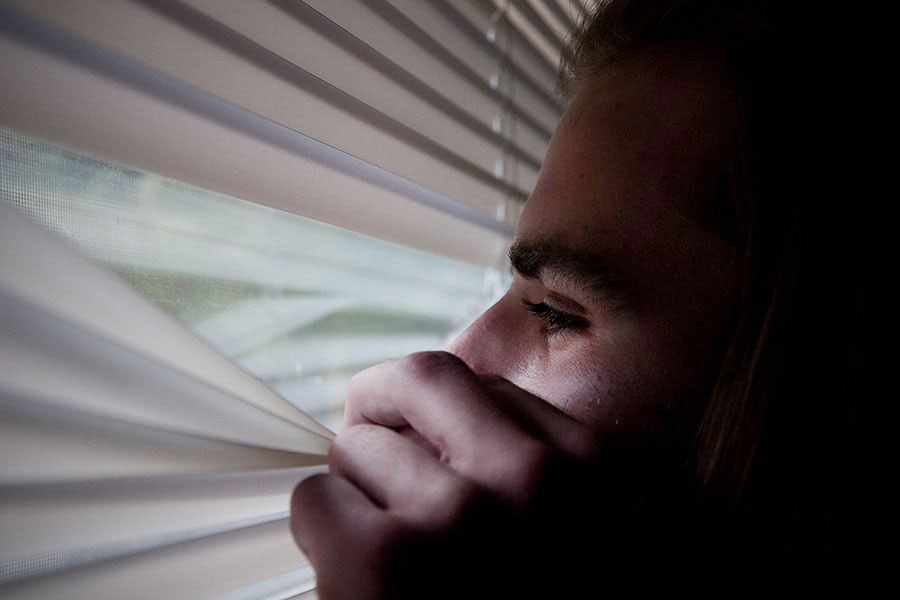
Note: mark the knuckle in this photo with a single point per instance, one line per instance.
(356, 387)
(349, 443)
(429, 366)
(340, 449)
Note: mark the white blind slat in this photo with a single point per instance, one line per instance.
(123, 515)
(487, 17)
(294, 584)
(204, 568)
(56, 362)
(42, 444)
(571, 8)
(551, 18)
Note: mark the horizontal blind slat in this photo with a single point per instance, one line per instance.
(524, 58)
(543, 33)
(572, 9)
(202, 568)
(293, 584)
(534, 83)
(554, 19)
(43, 443)
(65, 365)
(123, 515)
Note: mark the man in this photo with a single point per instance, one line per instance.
(627, 393)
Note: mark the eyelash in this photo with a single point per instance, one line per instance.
(555, 320)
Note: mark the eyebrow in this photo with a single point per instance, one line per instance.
(596, 270)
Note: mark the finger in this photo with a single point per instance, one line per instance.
(348, 540)
(443, 400)
(415, 437)
(400, 475)
(542, 419)
(328, 517)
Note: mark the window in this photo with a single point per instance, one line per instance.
(307, 187)
(300, 304)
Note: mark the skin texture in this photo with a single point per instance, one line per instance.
(619, 187)
(468, 465)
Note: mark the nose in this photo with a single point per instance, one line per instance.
(487, 344)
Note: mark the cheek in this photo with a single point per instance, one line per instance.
(621, 381)
(579, 380)
(609, 387)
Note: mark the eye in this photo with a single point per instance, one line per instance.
(556, 321)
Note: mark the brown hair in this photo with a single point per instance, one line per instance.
(777, 443)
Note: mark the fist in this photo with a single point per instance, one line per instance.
(445, 482)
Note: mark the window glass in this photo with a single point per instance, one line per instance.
(301, 304)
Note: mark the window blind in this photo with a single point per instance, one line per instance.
(137, 457)
(136, 461)
(397, 118)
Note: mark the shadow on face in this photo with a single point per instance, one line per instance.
(619, 289)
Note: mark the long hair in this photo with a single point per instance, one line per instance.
(776, 447)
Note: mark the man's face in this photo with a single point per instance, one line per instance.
(618, 293)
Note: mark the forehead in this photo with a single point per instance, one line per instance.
(631, 155)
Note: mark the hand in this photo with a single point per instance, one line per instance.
(443, 479)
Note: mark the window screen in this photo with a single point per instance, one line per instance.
(300, 304)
